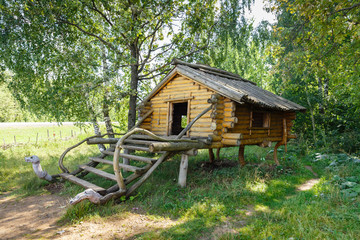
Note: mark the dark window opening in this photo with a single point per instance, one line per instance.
(179, 117)
(257, 119)
(260, 119)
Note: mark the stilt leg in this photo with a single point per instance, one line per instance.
(211, 155)
(241, 155)
(275, 152)
(218, 154)
(183, 170)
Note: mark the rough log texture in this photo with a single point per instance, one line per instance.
(183, 170)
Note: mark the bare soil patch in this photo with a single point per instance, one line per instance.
(30, 217)
(36, 217)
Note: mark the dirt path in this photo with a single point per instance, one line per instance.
(35, 217)
(310, 183)
(29, 217)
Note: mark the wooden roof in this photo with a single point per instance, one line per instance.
(229, 85)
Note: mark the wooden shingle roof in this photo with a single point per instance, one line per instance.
(229, 85)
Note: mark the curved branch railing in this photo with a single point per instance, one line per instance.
(119, 145)
(61, 159)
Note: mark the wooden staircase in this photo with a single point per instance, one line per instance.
(136, 167)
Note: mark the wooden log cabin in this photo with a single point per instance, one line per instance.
(241, 114)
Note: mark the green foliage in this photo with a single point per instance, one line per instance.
(238, 46)
(74, 59)
(10, 110)
(315, 54)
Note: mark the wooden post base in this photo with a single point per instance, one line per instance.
(211, 155)
(275, 152)
(183, 170)
(218, 154)
(241, 155)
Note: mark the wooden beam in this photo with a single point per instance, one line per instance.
(241, 155)
(179, 99)
(218, 154)
(211, 155)
(183, 170)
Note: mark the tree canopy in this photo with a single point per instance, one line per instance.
(68, 50)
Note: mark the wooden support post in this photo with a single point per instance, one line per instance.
(284, 141)
(218, 154)
(241, 155)
(183, 170)
(275, 152)
(211, 155)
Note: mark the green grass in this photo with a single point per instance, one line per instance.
(214, 198)
(29, 134)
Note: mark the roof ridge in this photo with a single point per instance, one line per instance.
(211, 70)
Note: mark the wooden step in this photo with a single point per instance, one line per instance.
(82, 183)
(137, 148)
(108, 152)
(98, 172)
(137, 158)
(123, 166)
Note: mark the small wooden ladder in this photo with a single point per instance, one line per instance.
(140, 167)
(137, 166)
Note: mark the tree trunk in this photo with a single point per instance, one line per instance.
(133, 85)
(106, 110)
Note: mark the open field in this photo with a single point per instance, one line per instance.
(36, 133)
(225, 201)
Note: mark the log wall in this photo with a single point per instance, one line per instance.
(228, 124)
(258, 135)
(178, 89)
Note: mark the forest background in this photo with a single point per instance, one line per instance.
(96, 60)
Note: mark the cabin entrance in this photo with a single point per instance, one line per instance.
(178, 117)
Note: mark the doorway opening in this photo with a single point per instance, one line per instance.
(179, 117)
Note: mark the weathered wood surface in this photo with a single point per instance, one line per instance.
(120, 165)
(241, 155)
(211, 155)
(82, 182)
(175, 146)
(183, 170)
(99, 172)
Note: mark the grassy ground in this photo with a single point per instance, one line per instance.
(29, 134)
(258, 201)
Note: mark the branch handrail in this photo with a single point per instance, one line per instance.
(61, 159)
(135, 129)
(187, 128)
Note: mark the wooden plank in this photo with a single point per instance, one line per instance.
(137, 158)
(123, 166)
(83, 183)
(107, 152)
(99, 172)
